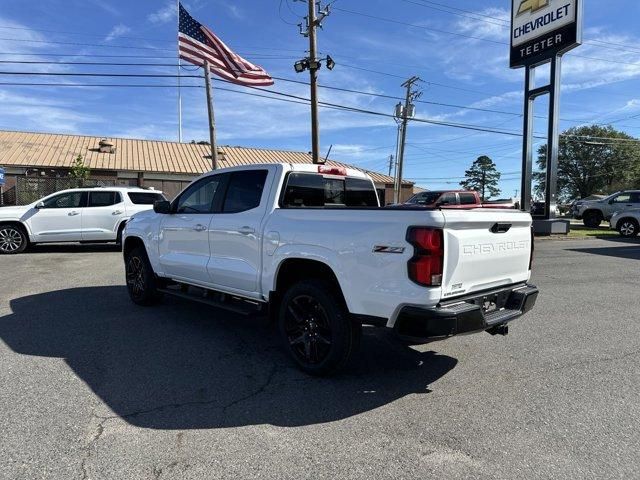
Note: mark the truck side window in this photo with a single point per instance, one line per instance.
(244, 191)
(199, 197)
(467, 199)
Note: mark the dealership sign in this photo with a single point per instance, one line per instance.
(541, 29)
(1, 176)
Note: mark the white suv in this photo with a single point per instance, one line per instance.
(627, 222)
(78, 215)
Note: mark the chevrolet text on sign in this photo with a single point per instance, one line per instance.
(541, 29)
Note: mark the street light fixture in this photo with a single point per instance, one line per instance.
(301, 65)
(330, 63)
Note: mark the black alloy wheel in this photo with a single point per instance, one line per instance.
(316, 327)
(141, 281)
(12, 240)
(308, 329)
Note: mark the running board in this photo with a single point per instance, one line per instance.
(212, 298)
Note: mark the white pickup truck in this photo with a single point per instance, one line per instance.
(311, 245)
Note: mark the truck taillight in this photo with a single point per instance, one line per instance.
(532, 248)
(425, 268)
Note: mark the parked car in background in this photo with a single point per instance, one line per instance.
(77, 215)
(454, 199)
(594, 212)
(627, 222)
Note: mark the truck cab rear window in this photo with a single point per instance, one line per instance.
(313, 190)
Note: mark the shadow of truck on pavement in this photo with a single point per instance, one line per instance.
(182, 365)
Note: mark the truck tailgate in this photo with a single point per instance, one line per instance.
(485, 249)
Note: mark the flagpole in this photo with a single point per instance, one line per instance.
(179, 81)
(212, 120)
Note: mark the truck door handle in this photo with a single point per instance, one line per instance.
(199, 228)
(73, 214)
(246, 230)
(117, 212)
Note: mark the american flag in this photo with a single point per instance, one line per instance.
(196, 43)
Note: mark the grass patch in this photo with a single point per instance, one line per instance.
(580, 231)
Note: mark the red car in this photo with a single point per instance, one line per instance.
(454, 199)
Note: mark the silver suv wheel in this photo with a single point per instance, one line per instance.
(628, 228)
(12, 240)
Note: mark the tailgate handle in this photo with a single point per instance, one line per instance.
(501, 228)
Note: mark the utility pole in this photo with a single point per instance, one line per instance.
(408, 111)
(212, 120)
(313, 64)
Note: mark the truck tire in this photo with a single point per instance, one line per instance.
(628, 227)
(141, 281)
(592, 219)
(13, 239)
(316, 328)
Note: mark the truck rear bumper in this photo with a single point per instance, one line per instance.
(466, 315)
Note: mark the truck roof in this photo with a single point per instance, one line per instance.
(329, 169)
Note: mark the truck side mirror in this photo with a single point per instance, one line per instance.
(39, 205)
(162, 207)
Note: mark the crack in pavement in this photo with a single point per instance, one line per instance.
(100, 428)
(93, 443)
(159, 408)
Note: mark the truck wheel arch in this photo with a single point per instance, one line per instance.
(292, 270)
(132, 242)
(119, 231)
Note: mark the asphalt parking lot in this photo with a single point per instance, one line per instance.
(93, 387)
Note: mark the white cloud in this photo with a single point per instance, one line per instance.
(235, 12)
(165, 14)
(117, 31)
(494, 28)
(42, 114)
(106, 6)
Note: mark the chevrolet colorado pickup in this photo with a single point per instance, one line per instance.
(311, 246)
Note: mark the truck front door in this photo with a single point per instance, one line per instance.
(183, 244)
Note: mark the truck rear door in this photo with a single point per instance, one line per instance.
(484, 250)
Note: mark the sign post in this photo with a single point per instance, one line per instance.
(541, 32)
(2, 181)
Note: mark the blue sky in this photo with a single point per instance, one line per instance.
(457, 70)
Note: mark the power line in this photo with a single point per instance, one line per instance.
(422, 27)
(303, 100)
(430, 6)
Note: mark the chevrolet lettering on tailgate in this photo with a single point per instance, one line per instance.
(489, 248)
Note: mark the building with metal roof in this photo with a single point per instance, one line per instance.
(168, 166)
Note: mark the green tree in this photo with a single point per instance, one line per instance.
(483, 177)
(80, 171)
(592, 159)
